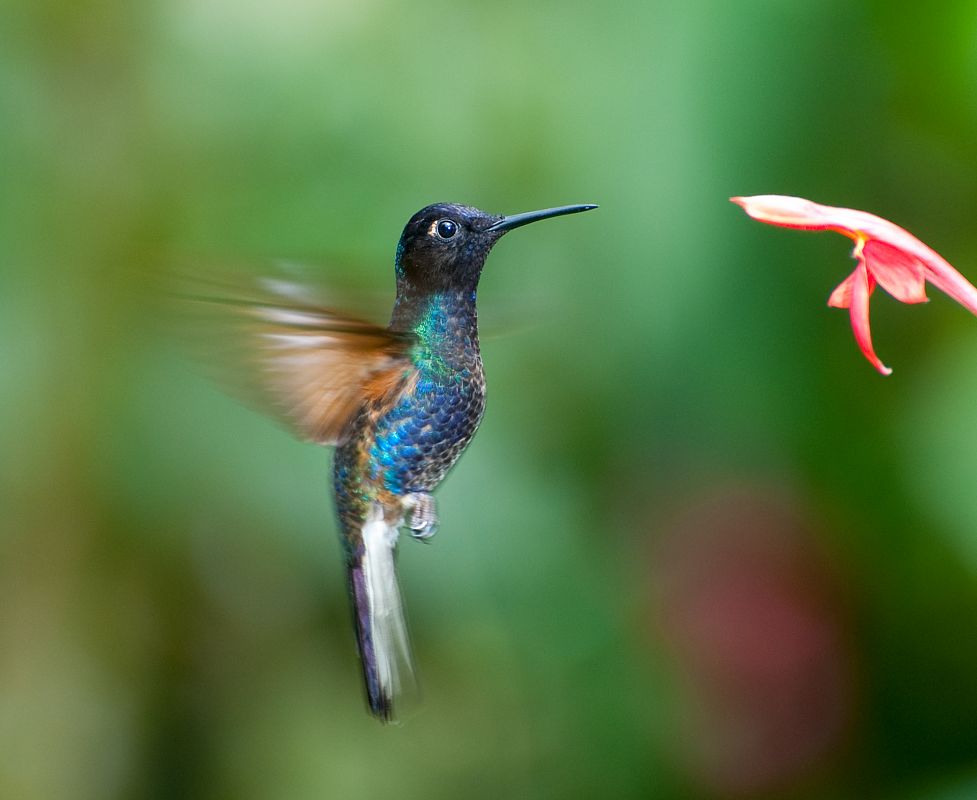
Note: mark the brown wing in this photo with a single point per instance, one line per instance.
(270, 343)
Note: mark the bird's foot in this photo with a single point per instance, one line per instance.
(422, 515)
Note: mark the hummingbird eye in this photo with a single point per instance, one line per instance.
(445, 229)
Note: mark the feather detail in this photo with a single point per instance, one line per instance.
(306, 365)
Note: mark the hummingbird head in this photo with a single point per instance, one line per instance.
(444, 246)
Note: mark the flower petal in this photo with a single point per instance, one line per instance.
(901, 274)
(860, 293)
(796, 212)
(788, 212)
(841, 296)
(948, 280)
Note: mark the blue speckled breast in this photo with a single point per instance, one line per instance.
(417, 441)
(410, 446)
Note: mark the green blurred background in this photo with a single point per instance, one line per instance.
(699, 548)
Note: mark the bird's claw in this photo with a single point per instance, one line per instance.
(422, 515)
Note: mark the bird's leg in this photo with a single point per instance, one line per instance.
(422, 514)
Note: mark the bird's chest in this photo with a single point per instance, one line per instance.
(416, 442)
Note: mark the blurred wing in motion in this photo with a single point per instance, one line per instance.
(268, 342)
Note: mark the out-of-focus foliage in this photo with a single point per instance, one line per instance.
(699, 548)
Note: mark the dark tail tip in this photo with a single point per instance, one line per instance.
(380, 704)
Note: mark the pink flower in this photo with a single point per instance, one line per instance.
(886, 254)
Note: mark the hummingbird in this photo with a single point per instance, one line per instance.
(399, 403)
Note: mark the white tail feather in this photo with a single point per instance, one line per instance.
(388, 628)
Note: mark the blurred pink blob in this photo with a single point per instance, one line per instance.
(886, 254)
(749, 613)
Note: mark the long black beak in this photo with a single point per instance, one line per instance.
(518, 220)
